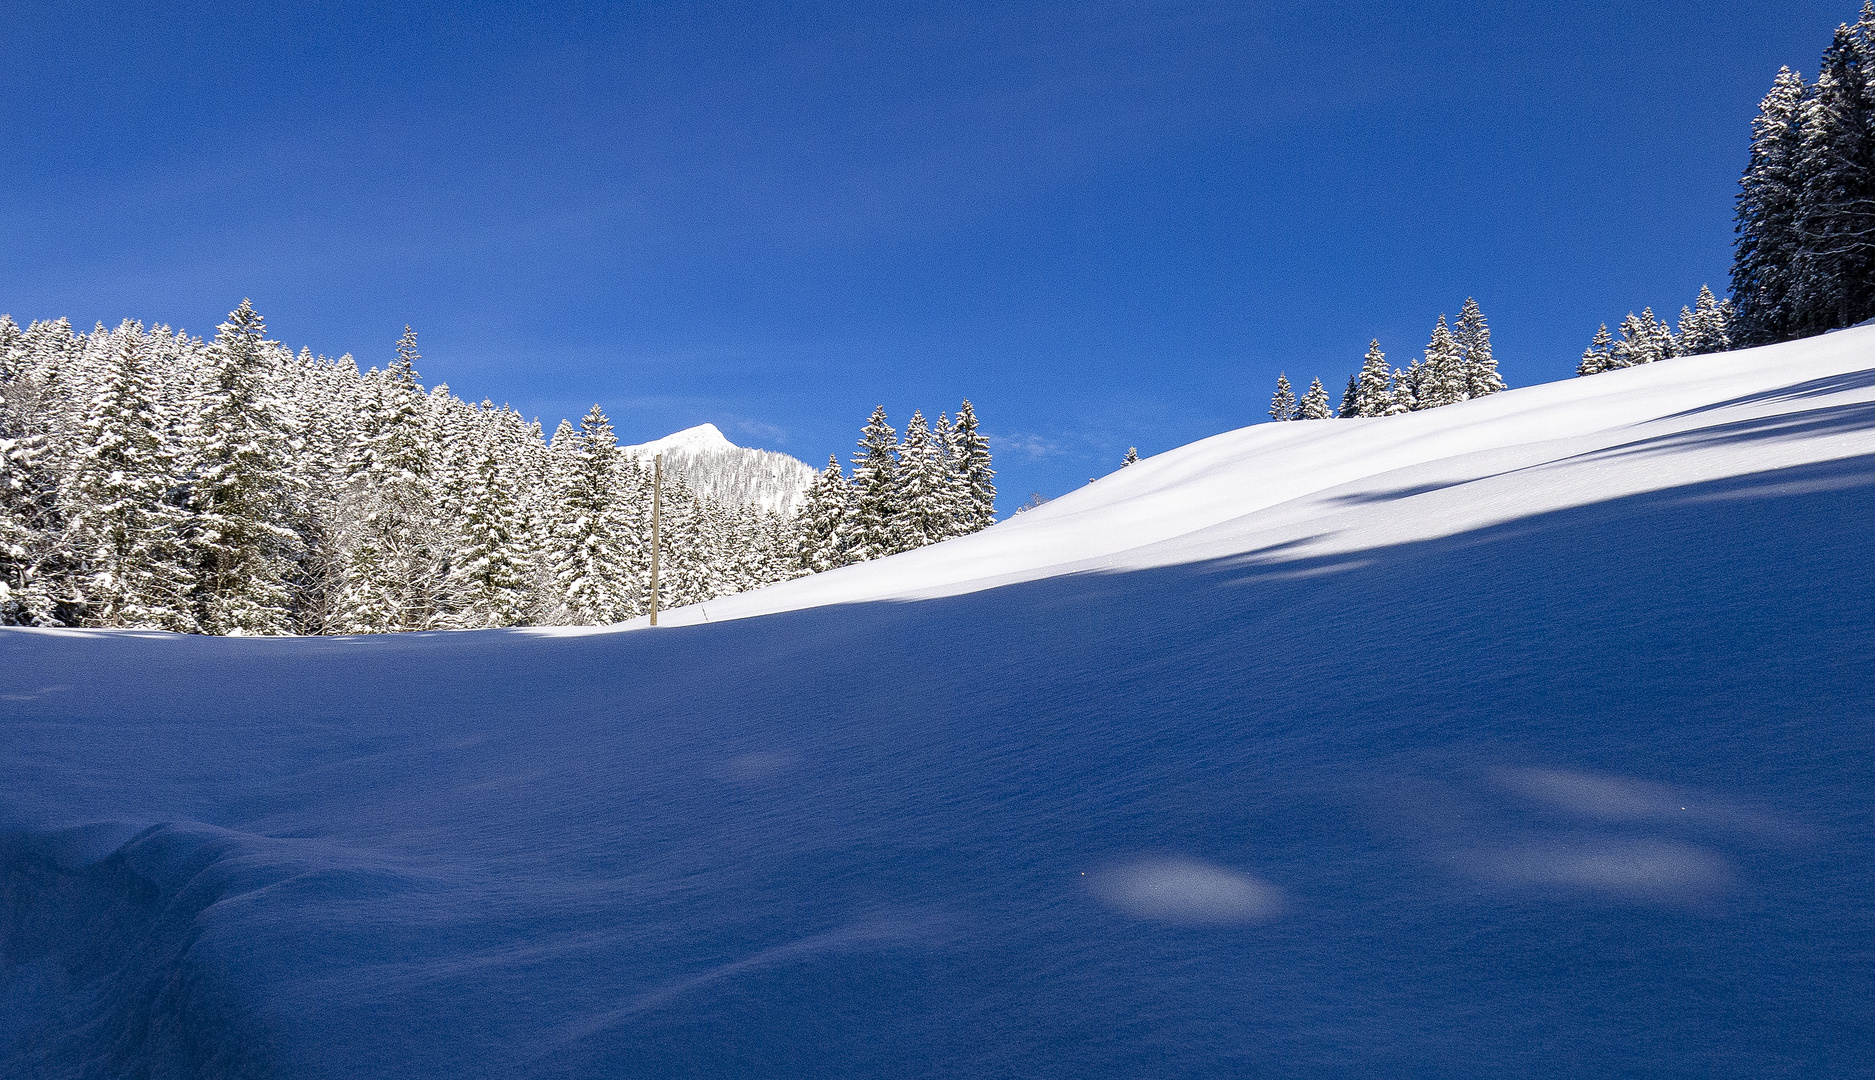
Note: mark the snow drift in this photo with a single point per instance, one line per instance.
(1524, 736)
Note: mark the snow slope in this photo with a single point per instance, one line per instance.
(1523, 737)
(1288, 492)
(721, 471)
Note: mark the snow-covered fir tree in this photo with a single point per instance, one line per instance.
(1283, 401)
(242, 493)
(872, 533)
(1833, 274)
(1645, 339)
(1599, 356)
(1442, 376)
(126, 526)
(393, 541)
(923, 512)
(1473, 337)
(976, 469)
(1770, 199)
(1706, 326)
(1131, 458)
(1314, 404)
(31, 526)
(592, 565)
(821, 542)
(1403, 396)
(958, 504)
(1373, 390)
(489, 582)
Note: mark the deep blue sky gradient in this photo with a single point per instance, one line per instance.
(1108, 224)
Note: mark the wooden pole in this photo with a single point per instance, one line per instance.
(657, 495)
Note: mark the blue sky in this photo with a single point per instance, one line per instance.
(1107, 224)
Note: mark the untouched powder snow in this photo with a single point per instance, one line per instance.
(1529, 736)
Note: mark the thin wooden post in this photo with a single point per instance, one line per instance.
(657, 496)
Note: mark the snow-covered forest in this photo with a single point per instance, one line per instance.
(1805, 256)
(150, 479)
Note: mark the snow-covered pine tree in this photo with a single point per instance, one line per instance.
(591, 564)
(957, 502)
(1473, 336)
(31, 530)
(1283, 402)
(1705, 328)
(1834, 278)
(872, 534)
(685, 543)
(1666, 344)
(821, 526)
(1442, 375)
(1632, 346)
(491, 579)
(328, 402)
(979, 477)
(29, 535)
(124, 522)
(1132, 457)
(1350, 398)
(1599, 356)
(455, 433)
(392, 538)
(525, 455)
(1373, 393)
(1770, 199)
(922, 511)
(243, 495)
(1314, 405)
(1403, 396)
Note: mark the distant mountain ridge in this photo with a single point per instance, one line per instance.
(721, 471)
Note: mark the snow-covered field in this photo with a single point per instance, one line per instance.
(1529, 736)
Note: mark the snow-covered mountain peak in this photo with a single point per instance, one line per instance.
(702, 439)
(724, 472)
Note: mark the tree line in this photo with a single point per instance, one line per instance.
(1804, 259)
(1457, 366)
(1706, 327)
(151, 479)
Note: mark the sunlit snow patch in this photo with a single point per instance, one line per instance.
(1602, 798)
(1658, 870)
(1181, 890)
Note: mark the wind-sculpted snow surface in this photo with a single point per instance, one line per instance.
(1528, 736)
